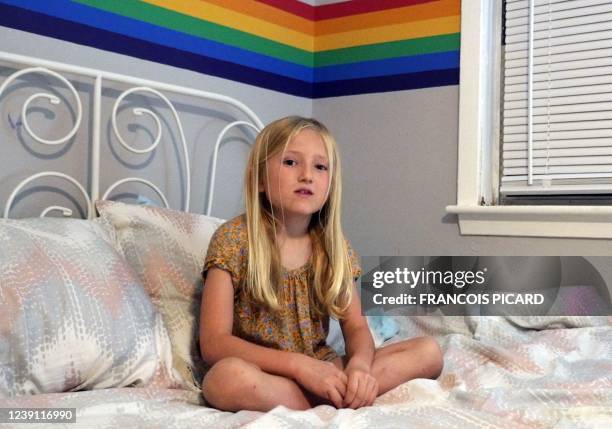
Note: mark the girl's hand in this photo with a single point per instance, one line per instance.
(321, 378)
(362, 388)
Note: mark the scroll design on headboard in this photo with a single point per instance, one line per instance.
(65, 211)
(138, 111)
(211, 186)
(24, 119)
(150, 87)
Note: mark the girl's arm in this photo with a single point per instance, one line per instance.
(357, 336)
(362, 387)
(217, 342)
(216, 339)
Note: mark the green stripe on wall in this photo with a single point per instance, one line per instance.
(401, 48)
(196, 27)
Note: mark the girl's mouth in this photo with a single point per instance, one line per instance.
(303, 192)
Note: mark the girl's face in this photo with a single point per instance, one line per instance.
(297, 179)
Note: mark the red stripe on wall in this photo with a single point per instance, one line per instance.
(355, 7)
(338, 10)
(293, 6)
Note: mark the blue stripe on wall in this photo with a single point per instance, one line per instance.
(388, 83)
(387, 67)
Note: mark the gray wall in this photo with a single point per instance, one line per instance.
(399, 154)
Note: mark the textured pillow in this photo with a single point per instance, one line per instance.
(72, 314)
(166, 249)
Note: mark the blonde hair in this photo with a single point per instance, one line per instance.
(332, 278)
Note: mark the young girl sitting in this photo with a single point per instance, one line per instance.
(274, 275)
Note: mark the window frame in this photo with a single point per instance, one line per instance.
(477, 206)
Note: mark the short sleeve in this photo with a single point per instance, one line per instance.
(354, 258)
(227, 251)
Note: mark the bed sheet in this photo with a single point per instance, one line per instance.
(497, 374)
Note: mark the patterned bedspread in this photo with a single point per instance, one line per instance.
(499, 373)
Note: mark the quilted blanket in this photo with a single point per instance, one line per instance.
(498, 373)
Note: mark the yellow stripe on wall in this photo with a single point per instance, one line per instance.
(221, 16)
(389, 33)
(268, 13)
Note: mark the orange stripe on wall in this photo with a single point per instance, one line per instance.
(389, 33)
(269, 13)
(406, 14)
(238, 21)
(277, 16)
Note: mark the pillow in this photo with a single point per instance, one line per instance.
(166, 249)
(72, 314)
(382, 328)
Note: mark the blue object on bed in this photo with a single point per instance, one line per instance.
(384, 326)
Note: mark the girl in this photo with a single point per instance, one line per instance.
(274, 275)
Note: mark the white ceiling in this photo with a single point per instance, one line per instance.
(322, 2)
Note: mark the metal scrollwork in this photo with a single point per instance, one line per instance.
(139, 112)
(24, 118)
(66, 211)
(211, 187)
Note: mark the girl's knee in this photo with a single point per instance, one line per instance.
(432, 354)
(226, 380)
(425, 354)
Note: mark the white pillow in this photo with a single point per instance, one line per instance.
(166, 249)
(72, 314)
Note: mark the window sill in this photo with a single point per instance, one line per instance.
(535, 221)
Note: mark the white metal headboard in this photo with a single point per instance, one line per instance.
(157, 89)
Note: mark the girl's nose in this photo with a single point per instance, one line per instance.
(306, 175)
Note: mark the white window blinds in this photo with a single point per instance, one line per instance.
(557, 104)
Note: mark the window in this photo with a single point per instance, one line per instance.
(555, 155)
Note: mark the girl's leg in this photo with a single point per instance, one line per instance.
(406, 360)
(233, 384)
(403, 361)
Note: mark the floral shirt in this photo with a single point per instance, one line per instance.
(296, 326)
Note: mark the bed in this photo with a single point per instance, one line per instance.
(99, 314)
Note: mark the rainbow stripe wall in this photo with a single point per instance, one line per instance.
(337, 48)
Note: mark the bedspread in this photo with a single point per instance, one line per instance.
(496, 374)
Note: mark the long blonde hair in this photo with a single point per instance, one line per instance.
(332, 279)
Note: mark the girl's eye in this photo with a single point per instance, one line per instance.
(289, 162)
(322, 167)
